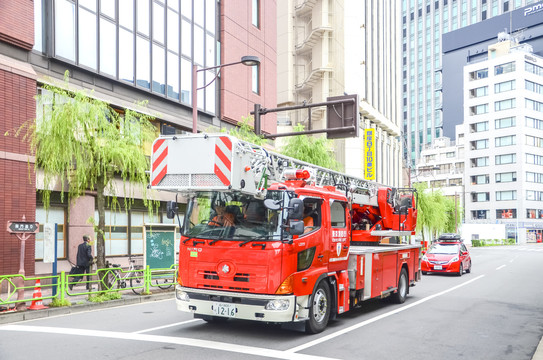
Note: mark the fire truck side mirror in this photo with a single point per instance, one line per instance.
(295, 209)
(171, 209)
(296, 227)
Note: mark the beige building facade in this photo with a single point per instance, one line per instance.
(334, 47)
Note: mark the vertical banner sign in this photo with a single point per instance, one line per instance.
(48, 243)
(369, 154)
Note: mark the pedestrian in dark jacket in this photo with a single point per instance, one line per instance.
(84, 259)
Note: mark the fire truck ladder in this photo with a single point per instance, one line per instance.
(269, 166)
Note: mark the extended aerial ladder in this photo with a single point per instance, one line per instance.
(222, 162)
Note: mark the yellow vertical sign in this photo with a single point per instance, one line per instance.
(369, 154)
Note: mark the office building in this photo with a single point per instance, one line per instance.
(503, 126)
(334, 47)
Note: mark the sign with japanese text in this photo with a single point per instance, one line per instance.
(369, 154)
(22, 227)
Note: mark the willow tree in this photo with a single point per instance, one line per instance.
(314, 150)
(432, 217)
(84, 144)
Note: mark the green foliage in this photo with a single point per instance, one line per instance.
(83, 144)
(432, 211)
(246, 132)
(60, 303)
(314, 150)
(115, 295)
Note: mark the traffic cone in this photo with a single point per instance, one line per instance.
(37, 304)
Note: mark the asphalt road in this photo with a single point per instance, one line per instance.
(496, 312)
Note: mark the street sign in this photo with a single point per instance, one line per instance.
(19, 227)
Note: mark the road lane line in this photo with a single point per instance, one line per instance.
(166, 326)
(500, 267)
(377, 318)
(213, 345)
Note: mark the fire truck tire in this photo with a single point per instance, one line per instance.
(399, 296)
(319, 309)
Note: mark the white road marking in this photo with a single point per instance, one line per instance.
(214, 345)
(377, 318)
(166, 326)
(500, 267)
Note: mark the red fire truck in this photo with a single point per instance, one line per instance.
(274, 239)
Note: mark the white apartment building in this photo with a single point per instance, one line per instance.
(335, 47)
(503, 126)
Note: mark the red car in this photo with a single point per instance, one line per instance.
(446, 257)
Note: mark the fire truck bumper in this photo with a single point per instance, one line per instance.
(210, 303)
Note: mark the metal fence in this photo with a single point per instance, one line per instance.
(65, 285)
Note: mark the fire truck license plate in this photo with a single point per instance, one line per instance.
(223, 309)
(438, 267)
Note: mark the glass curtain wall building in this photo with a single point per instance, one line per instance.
(147, 44)
(423, 23)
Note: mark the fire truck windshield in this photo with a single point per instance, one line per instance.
(233, 216)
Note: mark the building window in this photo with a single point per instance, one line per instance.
(534, 123)
(534, 159)
(534, 69)
(54, 215)
(479, 214)
(455, 182)
(506, 195)
(506, 213)
(65, 29)
(506, 140)
(534, 105)
(478, 74)
(534, 141)
(506, 177)
(504, 86)
(505, 122)
(534, 87)
(478, 92)
(255, 13)
(534, 177)
(479, 144)
(504, 68)
(479, 109)
(480, 196)
(479, 162)
(534, 195)
(480, 179)
(504, 104)
(255, 79)
(450, 154)
(534, 213)
(506, 159)
(480, 126)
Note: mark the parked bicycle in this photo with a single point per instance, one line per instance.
(116, 278)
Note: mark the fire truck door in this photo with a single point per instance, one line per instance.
(339, 244)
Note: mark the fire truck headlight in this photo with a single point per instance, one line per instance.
(278, 304)
(181, 295)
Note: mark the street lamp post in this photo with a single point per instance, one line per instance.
(245, 60)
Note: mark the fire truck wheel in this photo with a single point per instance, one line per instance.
(319, 309)
(399, 296)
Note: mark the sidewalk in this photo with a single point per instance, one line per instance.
(80, 303)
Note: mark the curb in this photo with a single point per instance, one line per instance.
(10, 317)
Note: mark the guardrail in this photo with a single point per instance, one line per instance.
(65, 285)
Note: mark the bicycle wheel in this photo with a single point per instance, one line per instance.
(164, 283)
(136, 283)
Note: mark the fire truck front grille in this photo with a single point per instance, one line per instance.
(211, 275)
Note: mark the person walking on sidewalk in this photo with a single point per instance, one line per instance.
(84, 258)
